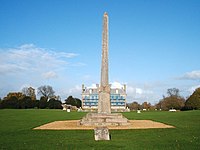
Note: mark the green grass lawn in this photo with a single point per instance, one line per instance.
(16, 132)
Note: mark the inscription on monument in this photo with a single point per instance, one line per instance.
(101, 133)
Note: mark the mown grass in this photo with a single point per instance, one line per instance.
(16, 131)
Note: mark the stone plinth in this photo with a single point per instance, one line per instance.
(100, 119)
(101, 133)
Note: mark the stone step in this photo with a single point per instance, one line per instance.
(104, 119)
(96, 115)
(104, 124)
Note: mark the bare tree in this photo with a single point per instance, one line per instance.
(173, 92)
(46, 91)
(29, 91)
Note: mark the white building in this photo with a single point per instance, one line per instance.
(90, 98)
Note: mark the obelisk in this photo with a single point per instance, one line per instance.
(104, 89)
(104, 117)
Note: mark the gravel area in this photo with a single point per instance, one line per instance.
(73, 125)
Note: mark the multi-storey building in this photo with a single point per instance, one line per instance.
(90, 97)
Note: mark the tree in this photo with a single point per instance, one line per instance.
(73, 101)
(193, 102)
(173, 92)
(10, 102)
(36, 103)
(54, 104)
(134, 106)
(46, 91)
(0, 103)
(18, 95)
(29, 91)
(26, 102)
(146, 105)
(159, 105)
(173, 100)
(78, 102)
(43, 102)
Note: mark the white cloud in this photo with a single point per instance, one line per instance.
(139, 94)
(64, 92)
(27, 46)
(193, 88)
(92, 86)
(49, 75)
(138, 91)
(75, 91)
(77, 88)
(28, 58)
(10, 68)
(193, 75)
(135, 93)
(32, 65)
(69, 55)
(116, 84)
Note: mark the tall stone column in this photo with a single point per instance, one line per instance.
(104, 90)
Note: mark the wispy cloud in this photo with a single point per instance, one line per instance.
(77, 64)
(116, 84)
(29, 64)
(140, 94)
(193, 88)
(75, 89)
(193, 75)
(68, 55)
(10, 68)
(29, 57)
(49, 75)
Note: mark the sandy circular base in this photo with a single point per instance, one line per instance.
(73, 125)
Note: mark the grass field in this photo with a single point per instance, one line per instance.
(16, 132)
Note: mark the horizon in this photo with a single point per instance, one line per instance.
(153, 46)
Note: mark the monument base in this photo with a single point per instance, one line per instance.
(103, 119)
(101, 133)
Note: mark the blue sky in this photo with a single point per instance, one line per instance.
(153, 45)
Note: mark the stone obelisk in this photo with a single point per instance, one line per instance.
(104, 117)
(104, 89)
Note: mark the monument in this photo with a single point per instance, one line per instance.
(104, 117)
(104, 90)
(103, 120)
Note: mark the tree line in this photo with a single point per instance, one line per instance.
(27, 99)
(173, 100)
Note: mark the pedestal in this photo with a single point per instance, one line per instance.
(101, 133)
(99, 119)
